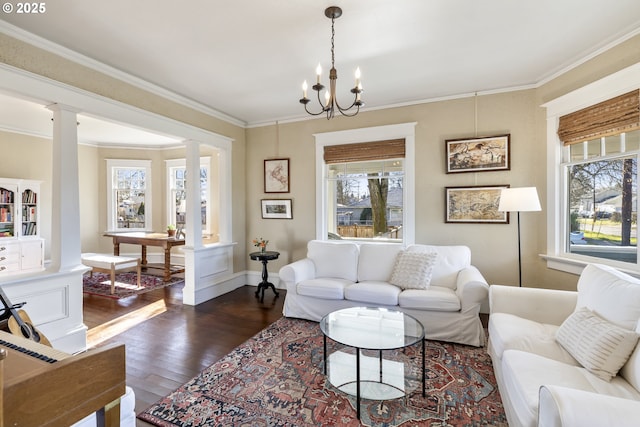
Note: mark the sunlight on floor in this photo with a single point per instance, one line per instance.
(108, 330)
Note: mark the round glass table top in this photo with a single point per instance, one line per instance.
(372, 328)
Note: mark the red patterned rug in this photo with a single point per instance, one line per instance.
(125, 284)
(276, 379)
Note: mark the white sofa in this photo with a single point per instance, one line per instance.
(341, 274)
(547, 356)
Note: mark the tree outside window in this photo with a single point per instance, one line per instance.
(602, 195)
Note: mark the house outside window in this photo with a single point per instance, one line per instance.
(593, 138)
(177, 180)
(129, 195)
(365, 180)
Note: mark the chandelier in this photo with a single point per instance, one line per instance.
(330, 104)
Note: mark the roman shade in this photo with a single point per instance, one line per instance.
(377, 150)
(611, 117)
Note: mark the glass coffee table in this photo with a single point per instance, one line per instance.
(370, 328)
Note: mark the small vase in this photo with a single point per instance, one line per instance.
(263, 249)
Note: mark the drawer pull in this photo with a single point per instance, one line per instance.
(2, 258)
(2, 268)
(3, 248)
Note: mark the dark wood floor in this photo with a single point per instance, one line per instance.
(168, 343)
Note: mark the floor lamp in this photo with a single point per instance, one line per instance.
(523, 199)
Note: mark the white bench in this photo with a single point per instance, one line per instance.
(111, 264)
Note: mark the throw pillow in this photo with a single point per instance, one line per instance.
(598, 345)
(412, 270)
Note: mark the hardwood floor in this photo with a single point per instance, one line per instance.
(168, 343)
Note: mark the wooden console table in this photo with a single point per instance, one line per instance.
(145, 239)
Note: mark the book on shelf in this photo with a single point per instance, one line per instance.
(29, 197)
(6, 196)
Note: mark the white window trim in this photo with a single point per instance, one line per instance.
(354, 136)
(606, 88)
(148, 202)
(205, 162)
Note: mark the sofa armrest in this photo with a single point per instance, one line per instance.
(296, 272)
(566, 407)
(471, 287)
(549, 306)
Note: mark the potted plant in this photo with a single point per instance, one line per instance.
(171, 230)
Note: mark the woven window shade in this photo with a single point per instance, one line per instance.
(378, 150)
(611, 117)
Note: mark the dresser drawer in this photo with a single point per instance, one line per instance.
(9, 258)
(9, 268)
(9, 248)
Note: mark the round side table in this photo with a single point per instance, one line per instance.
(264, 258)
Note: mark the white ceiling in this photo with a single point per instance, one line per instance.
(248, 58)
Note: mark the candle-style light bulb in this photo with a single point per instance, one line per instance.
(318, 72)
(326, 98)
(357, 76)
(304, 89)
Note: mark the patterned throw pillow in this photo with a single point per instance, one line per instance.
(412, 270)
(598, 345)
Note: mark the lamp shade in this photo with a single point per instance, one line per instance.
(520, 199)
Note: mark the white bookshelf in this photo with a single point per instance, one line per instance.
(21, 247)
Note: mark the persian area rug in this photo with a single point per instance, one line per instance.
(276, 379)
(125, 285)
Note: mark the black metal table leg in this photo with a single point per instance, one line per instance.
(358, 380)
(423, 371)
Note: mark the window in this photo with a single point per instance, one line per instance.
(364, 179)
(129, 193)
(177, 180)
(602, 177)
(593, 174)
(365, 199)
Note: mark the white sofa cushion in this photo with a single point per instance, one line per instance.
(370, 292)
(613, 295)
(436, 298)
(599, 345)
(376, 261)
(524, 373)
(334, 259)
(631, 370)
(511, 332)
(412, 270)
(451, 259)
(325, 288)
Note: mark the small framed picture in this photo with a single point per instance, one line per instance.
(276, 176)
(490, 153)
(276, 209)
(476, 204)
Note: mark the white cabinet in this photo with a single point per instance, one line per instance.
(21, 248)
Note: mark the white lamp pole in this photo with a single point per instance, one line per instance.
(523, 199)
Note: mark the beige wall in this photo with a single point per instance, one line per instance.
(494, 247)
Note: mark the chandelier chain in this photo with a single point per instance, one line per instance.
(333, 33)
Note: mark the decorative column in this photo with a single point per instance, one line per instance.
(193, 213)
(65, 218)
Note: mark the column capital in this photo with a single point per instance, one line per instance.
(62, 107)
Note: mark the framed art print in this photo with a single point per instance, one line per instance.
(476, 204)
(491, 153)
(276, 209)
(276, 176)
